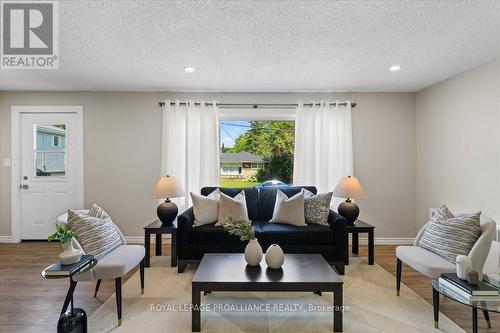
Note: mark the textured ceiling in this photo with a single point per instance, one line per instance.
(264, 45)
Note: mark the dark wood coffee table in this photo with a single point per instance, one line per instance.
(300, 273)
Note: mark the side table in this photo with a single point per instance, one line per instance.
(76, 319)
(355, 229)
(159, 229)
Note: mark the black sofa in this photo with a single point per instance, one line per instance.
(193, 242)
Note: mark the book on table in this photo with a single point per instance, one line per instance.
(68, 270)
(480, 292)
(481, 289)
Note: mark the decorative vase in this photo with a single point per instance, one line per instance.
(70, 255)
(275, 256)
(253, 252)
(464, 265)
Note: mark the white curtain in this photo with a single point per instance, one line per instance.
(190, 146)
(323, 146)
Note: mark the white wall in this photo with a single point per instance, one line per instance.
(458, 143)
(122, 151)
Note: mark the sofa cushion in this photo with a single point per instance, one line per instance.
(270, 233)
(267, 199)
(212, 234)
(251, 197)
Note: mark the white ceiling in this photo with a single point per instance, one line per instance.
(264, 45)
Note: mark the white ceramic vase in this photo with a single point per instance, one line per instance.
(70, 255)
(275, 256)
(464, 266)
(253, 252)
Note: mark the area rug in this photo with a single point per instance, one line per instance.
(369, 296)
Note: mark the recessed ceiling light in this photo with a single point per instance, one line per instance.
(395, 68)
(189, 69)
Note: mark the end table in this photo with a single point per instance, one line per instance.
(355, 229)
(76, 319)
(159, 229)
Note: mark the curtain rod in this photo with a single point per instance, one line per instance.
(259, 105)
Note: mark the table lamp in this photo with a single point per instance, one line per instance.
(350, 188)
(166, 188)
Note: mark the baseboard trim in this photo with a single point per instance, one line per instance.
(388, 241)
(140, 239)
(5, 239)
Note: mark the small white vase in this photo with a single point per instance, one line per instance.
(275, 256)
(253, 253)
(70, 255)
(464, 266)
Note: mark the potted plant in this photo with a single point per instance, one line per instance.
(65, 235)
(242, 227)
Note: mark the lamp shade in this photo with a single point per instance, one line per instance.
(349, 187)
(167, 187)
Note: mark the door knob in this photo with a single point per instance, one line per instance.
(24, 186)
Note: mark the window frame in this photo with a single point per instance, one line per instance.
(271, 114)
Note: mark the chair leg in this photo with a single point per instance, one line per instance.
(97, 285)
(118, 291)
(141, 268)
(487, 317)
(180, 266)
(398, 276)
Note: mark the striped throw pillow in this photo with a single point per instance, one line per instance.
(450, 237)
(96, 236)
(96, 211)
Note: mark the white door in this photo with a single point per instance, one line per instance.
(50, 170)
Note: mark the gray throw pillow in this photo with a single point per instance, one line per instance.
(450, 237)
(317, 207)
(96, 236)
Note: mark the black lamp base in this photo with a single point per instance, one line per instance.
(167, 212)
(349, 210)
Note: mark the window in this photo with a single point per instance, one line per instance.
(230, 169)
(256, 151)
(49, 152)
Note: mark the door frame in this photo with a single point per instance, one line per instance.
(16, 112)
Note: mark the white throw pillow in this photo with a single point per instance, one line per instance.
(205, 208)
(232, 207)
(289, 210)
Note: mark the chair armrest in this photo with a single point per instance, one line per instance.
(481, 249)
(338, 224)
(185, 222)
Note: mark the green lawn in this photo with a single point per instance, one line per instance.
(237, 183)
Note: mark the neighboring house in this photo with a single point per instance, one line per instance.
(240, 165)
(50, 150)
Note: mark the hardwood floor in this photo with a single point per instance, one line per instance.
(30, 303)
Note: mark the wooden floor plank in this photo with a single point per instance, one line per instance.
(30, 303)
